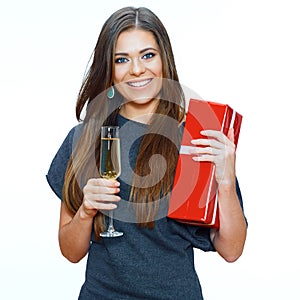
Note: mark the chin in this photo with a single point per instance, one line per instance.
(139, 98)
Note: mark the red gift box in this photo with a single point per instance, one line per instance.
(194, 198)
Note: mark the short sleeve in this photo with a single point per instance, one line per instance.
(56, 172)
(200, 238)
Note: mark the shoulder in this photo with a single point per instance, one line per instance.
(68, 144)
(74, 134)
(57, 169)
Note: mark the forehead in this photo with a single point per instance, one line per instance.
(135, 40)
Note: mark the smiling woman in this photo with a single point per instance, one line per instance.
(138, 72)
(154, 258)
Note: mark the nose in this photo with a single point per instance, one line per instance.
(137, 67)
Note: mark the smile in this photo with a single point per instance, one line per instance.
(139, 83)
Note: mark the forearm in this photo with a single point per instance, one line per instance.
(74, 236)
(229, 240)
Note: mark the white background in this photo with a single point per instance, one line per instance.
(244, 53)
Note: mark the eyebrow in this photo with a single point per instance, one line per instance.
(140, 52)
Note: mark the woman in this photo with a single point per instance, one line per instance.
(133, 83)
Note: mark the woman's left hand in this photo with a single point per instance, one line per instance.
(219, 149)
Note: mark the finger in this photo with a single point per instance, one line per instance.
(208, 142)
(219, 135)
(104, 190)
(104, 182)
(108, 206)
(104, 205)
(204, 157)
(90, 189)
(102, 198)
(204, 150)
(101, 202)
(216, 159)
(230, 134)
(90, 204)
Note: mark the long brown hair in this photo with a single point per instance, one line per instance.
(84, 161)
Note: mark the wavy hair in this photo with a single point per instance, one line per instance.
(84, 161)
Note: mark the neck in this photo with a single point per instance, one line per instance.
(139, 112)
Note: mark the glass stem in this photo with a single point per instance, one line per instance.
(111, 222)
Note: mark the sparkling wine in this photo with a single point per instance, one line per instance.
(110, 165)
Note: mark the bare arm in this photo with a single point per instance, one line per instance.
(230, 238)
(75, 231)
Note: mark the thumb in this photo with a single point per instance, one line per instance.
(230, 134)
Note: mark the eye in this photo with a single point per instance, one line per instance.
(121, 60)
(148, 55)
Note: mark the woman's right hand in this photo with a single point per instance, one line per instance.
(99, 194)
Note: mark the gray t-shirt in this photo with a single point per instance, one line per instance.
(144, 263)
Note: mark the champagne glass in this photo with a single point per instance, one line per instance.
(110, 166)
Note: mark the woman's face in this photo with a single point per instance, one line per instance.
(138, 67)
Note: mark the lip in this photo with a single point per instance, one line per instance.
(139, 83)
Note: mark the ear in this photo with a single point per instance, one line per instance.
(230, 134)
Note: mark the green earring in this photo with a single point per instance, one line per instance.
(111, 92)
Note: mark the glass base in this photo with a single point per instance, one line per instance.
(111, 234)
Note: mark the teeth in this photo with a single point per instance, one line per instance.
(139, 83)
